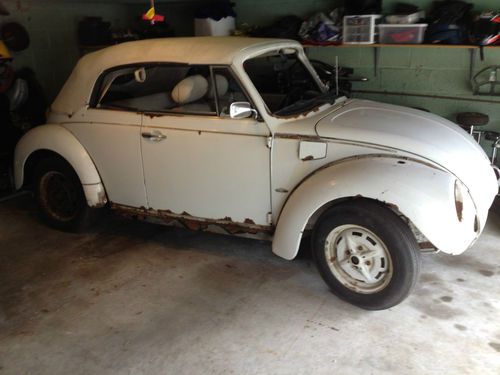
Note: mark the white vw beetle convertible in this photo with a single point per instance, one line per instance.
(240, 135)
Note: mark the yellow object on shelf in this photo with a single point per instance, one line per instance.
(150, 13)
(4, 52)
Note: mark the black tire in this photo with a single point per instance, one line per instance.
(398, 244)
(60, 197)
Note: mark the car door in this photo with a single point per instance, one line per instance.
(110, 131)
(200, 162)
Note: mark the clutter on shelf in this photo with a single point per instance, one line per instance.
(362, 7)
(402, 34)
(285, 27)
(322, 28)
(215, 19)
(486, 28)
(451, 22)
(361, 29)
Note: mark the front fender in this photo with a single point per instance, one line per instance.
(57, 139)
(425, 194)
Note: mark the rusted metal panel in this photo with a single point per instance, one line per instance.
(459, 205)
(191, 222)
(427, 245)
(95, 195)
(300, 137)
(112, 138)
(424, 195)
(209, 167)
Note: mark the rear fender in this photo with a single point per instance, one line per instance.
(59, 140)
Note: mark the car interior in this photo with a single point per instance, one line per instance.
(170, 88)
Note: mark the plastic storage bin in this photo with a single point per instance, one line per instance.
(405, 19)
(209, 27)
(360, 29)
(402, 34)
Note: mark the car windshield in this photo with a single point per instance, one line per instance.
(285, 84)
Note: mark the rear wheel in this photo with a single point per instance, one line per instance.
(60, 197)
(366, 254)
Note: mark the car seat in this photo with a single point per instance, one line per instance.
(187, 94)
(222, 85)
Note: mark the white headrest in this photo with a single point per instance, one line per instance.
(190, 89)
(222, 86)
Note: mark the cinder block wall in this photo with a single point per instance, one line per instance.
(438, 77)
(403, 71)
(52, 26)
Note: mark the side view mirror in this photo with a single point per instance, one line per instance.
(239, 110)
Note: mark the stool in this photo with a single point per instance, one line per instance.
(469, 120)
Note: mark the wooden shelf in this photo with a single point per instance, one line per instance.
(377, 45)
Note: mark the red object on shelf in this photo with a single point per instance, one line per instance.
(151, 15)
(403, 37)
(156, 18)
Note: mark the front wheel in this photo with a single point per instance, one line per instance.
(366, 254)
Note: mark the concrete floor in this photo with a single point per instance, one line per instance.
(137, 298)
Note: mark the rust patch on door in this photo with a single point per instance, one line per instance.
(152, 115)
(302, 137)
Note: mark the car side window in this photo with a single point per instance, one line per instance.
(157, 88)
(228, 90)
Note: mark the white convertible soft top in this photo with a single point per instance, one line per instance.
(194, 50)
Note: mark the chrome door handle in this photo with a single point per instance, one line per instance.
(154, 136)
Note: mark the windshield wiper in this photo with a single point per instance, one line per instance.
(308, 104)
